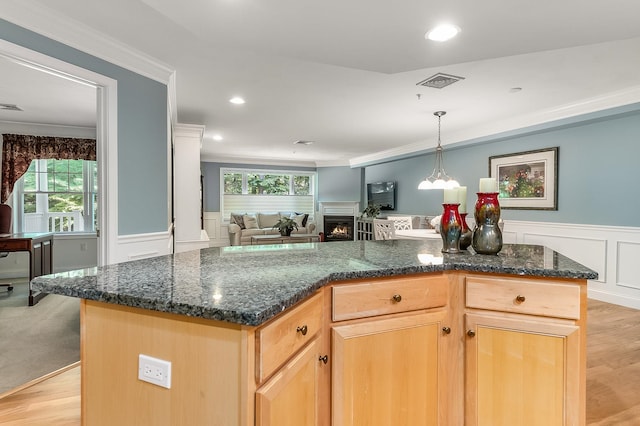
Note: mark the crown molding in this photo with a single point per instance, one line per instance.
(216, 158)
(585, 110)
(52, 24)
(332, 163)
(390, 154)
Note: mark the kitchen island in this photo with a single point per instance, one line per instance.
(323, 333)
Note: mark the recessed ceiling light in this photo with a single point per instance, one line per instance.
(217, 137)
(442, 32)
(236, 100)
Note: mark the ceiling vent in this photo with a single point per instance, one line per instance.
(440, 80)
(10, 107)
(302, 142)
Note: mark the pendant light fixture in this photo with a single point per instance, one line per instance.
(438, 178)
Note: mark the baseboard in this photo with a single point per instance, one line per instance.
(141, 246)
(616, 299)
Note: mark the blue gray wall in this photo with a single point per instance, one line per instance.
(340, 184)
(211, 173)
(597, 171)
(142, 133)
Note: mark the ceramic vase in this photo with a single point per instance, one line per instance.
(467, 234)
(487, 236)
(451, 228)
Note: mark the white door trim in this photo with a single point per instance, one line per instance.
(106, 136)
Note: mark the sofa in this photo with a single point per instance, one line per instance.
(242, 226)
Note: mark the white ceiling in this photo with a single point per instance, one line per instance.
(344, 73)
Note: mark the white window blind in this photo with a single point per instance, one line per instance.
(266, 203)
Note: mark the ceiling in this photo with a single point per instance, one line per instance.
(344, 74)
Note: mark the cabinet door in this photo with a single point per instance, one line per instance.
(290, 397)
(385, 371)
(522, 371)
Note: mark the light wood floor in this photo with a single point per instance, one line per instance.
(613, 378)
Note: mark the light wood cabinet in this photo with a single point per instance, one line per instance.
(386, 372)
(282, 337)
(387, 356)
(445, 349)
(290, 397)
(524, 353)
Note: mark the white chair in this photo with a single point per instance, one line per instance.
(402, 223)
(384, 229)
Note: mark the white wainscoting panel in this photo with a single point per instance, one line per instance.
(217, 229)
(142, 246)
(612, 251)
(628, 265)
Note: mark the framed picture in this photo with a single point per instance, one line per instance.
(527, 180)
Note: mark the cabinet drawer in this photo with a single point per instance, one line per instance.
(380, 297)
(524, 296)
(281, 338)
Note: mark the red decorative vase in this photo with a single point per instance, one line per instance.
(467, 234)
(487, 236)
(450, 228)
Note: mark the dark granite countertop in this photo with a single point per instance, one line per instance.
(250, 284)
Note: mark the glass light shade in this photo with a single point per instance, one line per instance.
(425, 184)
(439, 184)
(452, 183)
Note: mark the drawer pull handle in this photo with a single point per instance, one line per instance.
(302, 330)
(324, 359)
(520, 299)
(446, 330)
(396, 298)
(471, 333)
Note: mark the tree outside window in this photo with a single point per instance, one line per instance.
(233, 183)
(267, 184)
(301, 185)
(59, 196)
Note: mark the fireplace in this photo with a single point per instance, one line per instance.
(338, 228)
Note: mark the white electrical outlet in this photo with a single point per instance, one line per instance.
(154, 370)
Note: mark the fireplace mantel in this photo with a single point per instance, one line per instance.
(337, 208)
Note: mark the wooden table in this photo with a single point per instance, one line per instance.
(279, 239)
(40, 247)
(417, 234)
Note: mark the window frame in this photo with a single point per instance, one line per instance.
(89, 192)
(312, 174)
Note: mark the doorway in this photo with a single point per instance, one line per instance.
(105, 133)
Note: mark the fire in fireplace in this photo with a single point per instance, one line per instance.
(338, 228)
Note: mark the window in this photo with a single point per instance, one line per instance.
(245, 190)
(57, 196)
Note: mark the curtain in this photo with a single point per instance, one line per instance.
(19, 150)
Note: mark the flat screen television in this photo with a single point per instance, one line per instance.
(382, 194)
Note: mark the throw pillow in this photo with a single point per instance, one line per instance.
(238, 220)
(306, 218)
(268, 220)
(250, 222)
(299, 218)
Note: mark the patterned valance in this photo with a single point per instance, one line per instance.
(19, 150)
